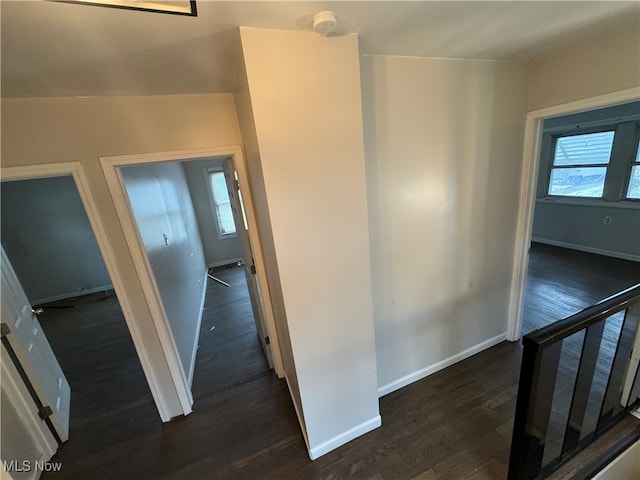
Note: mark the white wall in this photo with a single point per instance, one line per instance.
(582, 227)
(46, 233)
(247, 126)
(306, 103)
(606, 60)
(161, 204)
(443, 149)
(33, 133)
(217, 251)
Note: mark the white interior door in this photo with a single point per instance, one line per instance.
(25, 335)
(239, 217)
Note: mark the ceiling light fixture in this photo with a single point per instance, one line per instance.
(324, 22)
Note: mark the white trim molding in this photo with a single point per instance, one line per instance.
(78, 293)
(75, 170)
(344, 437)
(303, 426)
(222, 263)
(528, 182)
(584, 248)
(436, 367)
(196, 341)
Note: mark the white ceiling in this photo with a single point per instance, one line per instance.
(61, 49)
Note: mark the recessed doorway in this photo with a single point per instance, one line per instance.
(52, 246)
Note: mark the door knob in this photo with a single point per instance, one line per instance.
(37, 311)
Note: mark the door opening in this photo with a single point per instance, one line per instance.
(61, 272)
(248, 261)
(160, 208)
(584, 234)
(533, 147)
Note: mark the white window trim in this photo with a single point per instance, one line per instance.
(589, 202)
(634, 163)
(582, 129)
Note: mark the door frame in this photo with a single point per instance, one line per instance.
(75, 170)
(528, 184)
(111, 167)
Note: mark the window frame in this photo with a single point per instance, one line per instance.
(213, 202)
(617, 177)
(633, 162)
(551, 166)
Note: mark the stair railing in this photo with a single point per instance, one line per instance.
(577, 379)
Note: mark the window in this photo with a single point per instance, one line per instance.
(579, 166)
(633, 190)
(222, 203)
(591, 158)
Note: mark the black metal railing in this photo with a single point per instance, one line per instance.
(578, 377)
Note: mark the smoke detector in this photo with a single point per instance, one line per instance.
(324, 22)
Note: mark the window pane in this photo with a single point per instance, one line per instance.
(225, 218)
(220, 193)
(634, 183)
(224, 213)
(586, 149)
(577, 182)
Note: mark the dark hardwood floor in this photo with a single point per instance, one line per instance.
(561, 282)
(455, 424)
(240, 407)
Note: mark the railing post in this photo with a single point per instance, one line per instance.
(533, 407)
(584, 380)
(518, 446)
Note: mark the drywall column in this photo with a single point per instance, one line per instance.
(251, 152)
(306, 101)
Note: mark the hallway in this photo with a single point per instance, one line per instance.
(455, 424)
(240, 407)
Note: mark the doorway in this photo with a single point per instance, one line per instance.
(133, 181)
(585, 232)
(52, 246)
(533, 148)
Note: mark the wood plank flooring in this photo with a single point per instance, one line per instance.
(455, 424)
(561, 282)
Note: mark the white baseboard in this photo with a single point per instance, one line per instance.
(298, 412)
(196, 343)
(222, 263)
(425, 372)
(345, 437)
(625, 465)
(65, 296)
(582, 248)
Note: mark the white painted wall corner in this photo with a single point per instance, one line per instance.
(345, 437)
(431, 369)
